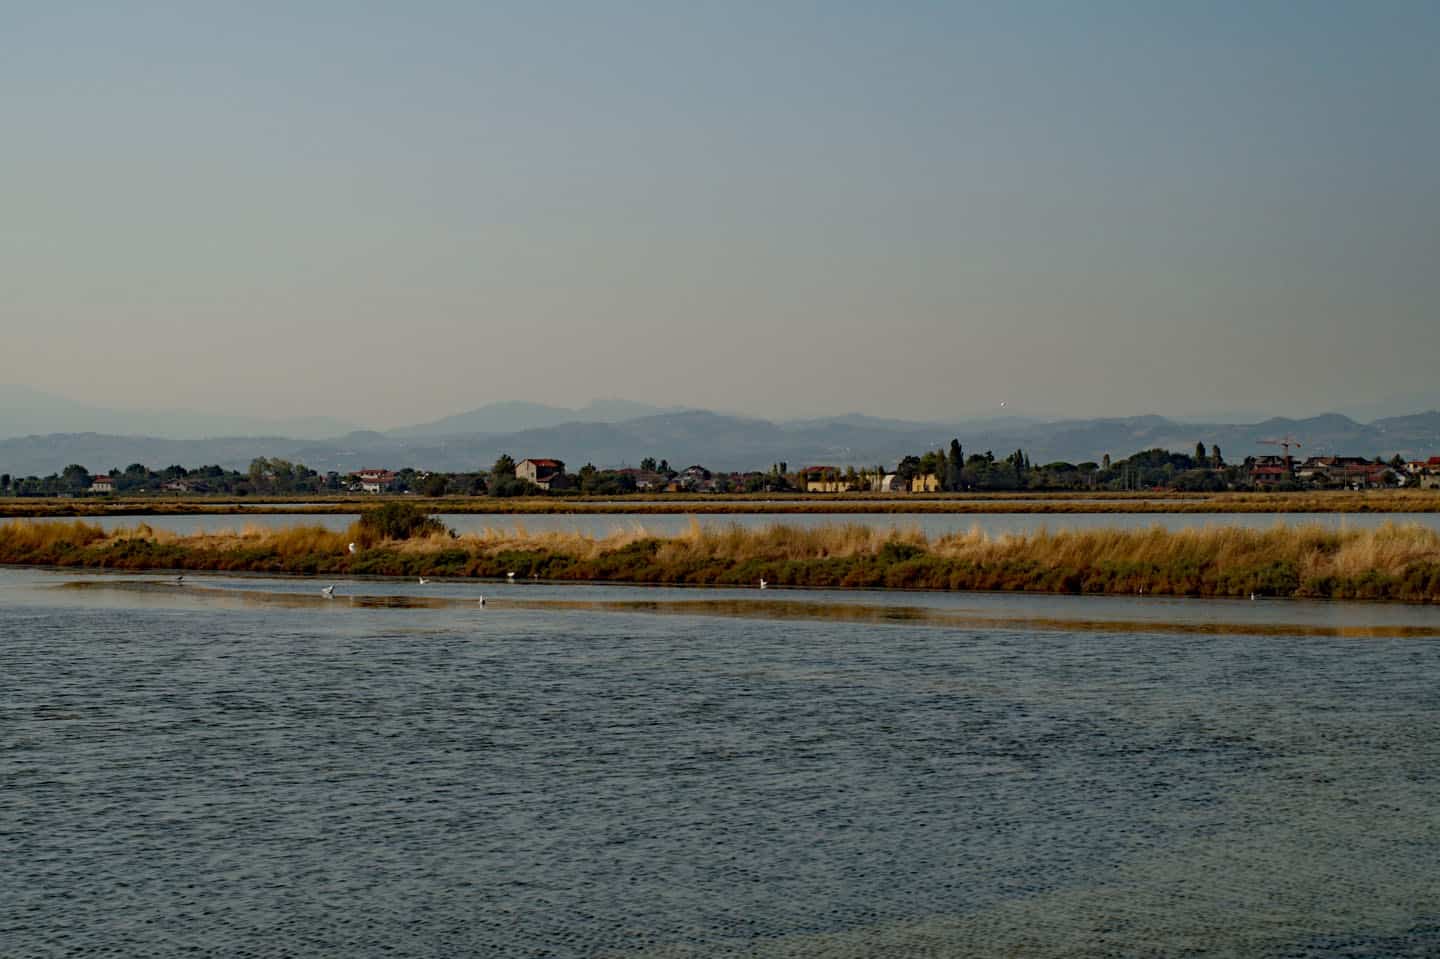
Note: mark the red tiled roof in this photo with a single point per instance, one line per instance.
(549, 464)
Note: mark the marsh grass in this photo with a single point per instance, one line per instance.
(1390, 562)
(1339, 501)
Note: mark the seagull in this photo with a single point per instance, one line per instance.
(510, 576)
(424, 581)
(328, 592)
(353, 550)
(763, 584)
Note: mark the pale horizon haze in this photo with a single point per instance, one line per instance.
(388, 213)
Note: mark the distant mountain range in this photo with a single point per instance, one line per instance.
(604, 434)
(512, 415)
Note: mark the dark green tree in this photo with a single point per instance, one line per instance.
(955, 467)
(1200, 459)
(648, 464)
(397, 521)
(504, 467)
(1216, 460)
(75, 477)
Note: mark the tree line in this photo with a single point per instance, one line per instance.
(947, 469)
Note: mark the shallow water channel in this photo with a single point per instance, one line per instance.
(237, 766)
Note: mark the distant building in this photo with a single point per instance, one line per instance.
(925, 483)
(644, 479)
(102, 484)
(822, 479)
(1349, 472)
(375, 480)
(543, 473)
(1268, 470)
(692, 479)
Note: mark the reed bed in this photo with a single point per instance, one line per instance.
(1374, 501)
(1392, 562)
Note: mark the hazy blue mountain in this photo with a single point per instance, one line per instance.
(26, 412)
(720, 441)
(512, 416)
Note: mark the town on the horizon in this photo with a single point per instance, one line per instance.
(938, 471)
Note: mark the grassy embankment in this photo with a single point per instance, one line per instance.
(1376, 501)
(1392, 562)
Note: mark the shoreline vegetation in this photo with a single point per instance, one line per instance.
(1392, 562)
(839, 504)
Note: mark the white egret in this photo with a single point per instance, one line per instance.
(179, 579)
(482, 600)
(763, 584)
(424, 581)
(510, 576)
(353, 550)
(329, 592)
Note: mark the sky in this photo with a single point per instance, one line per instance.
(391, 212)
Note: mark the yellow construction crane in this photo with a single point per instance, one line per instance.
(1285, 442)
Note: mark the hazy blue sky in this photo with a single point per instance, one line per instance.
(389, 212)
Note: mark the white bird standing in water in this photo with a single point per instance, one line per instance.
(353, 550)
(424, 581)
(763, 584)
(179, 579)
(482, 600)
(328, 592)
(510, 576)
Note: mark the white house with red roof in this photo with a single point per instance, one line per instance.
(542, 472)
(374, 480)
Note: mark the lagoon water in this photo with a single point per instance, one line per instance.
(239, 767)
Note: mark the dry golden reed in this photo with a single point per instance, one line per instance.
(1388, 562)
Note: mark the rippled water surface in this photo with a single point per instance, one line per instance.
(241, 767)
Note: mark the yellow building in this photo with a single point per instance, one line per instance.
(926, 483)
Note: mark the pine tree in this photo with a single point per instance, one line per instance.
(1200, 454)
(954, 463)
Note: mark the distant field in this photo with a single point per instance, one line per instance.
(1378, 501)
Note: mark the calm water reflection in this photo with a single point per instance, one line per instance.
(566, 773)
